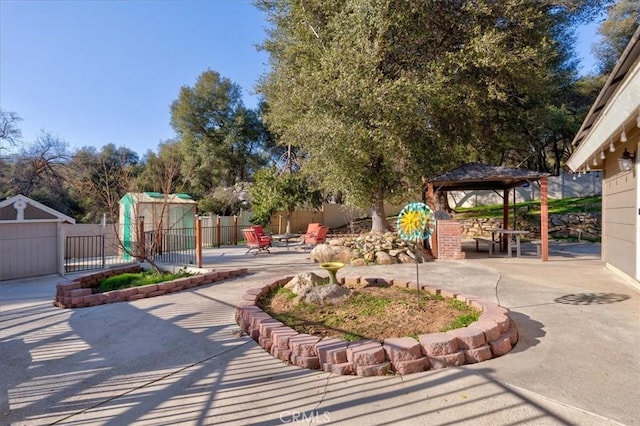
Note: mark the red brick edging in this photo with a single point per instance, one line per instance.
(80, 292)
(493, 335)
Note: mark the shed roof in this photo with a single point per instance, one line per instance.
(157, 197)
(483, 176)
(33, 211)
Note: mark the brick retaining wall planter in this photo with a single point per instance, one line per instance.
(81, 293)
(493, 335)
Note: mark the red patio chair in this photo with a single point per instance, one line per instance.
(260, 233)
(254, 242)
(316, 234)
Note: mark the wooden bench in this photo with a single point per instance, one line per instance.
(487, 241)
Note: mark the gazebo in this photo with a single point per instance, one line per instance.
(478, 176)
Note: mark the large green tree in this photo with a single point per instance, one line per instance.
(222, 140)
(380, 93)
(623, 18)
(162, 172)
(275, 189)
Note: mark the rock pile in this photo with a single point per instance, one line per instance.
(382, 249)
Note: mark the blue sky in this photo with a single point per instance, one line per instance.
(98, 72)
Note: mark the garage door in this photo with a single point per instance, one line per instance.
(28, 249)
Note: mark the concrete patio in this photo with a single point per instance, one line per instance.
(178, 359)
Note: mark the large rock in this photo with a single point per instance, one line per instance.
(328, 253)
(329, 293)
(302, 283)
(358, 262)
(383, 258)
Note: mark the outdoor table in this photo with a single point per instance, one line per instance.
(510, 233)
(286, 238)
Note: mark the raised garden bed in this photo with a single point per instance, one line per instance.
(83, 291)
(493, 335)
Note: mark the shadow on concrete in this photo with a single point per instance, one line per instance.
(591, 298)
(530, 331)
(175, 361)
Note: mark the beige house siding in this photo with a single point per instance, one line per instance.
(26, 249)
(620, 210)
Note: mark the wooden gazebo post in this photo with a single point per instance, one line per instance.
(544, 220)
(505, 218)
(431, 202)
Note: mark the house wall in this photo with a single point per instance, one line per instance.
(28, 249)
(619, 210)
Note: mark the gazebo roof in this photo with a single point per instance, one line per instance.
(482, 176)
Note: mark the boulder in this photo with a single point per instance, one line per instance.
(383, 258)
(330, 293)
(322, 253)
(358, 262)
(302, 283)
(405, 258)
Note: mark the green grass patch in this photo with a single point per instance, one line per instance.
(561, 206)
(286, 293)
(369, 305)
(127, 280)
(423, 294)
(351, 337)
(459, 305)
(462, 321)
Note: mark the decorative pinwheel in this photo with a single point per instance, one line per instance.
(416, 221)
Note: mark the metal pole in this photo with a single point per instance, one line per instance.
(199, 242)
(417, 272)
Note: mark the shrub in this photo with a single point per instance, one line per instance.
(127, 280)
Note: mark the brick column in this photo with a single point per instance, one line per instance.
(449, 240)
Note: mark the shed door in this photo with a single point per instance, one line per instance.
(28, 249)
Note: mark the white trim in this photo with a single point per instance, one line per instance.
(60, 217)
(13, 222)
(623, 276)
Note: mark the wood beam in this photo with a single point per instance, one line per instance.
(544, 220)
(505, 218)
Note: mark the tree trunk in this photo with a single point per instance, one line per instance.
(288, 228)
(378, 218)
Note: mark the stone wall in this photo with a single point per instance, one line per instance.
(493, 335)
(575, 225)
